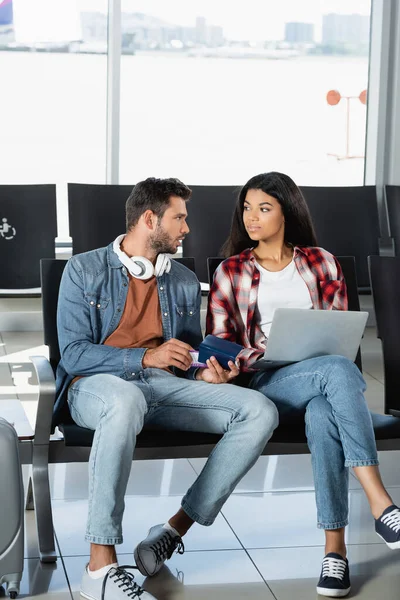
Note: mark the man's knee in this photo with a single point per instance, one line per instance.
(261, 409)
(123, 402)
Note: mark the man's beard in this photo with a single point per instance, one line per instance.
(162, 243)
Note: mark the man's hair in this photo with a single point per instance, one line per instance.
(153, 194)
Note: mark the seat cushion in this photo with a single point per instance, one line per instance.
(385, 428)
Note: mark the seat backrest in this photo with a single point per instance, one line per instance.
(212, 263)
(385, 283)
(346, 223)
(51, 271)
(28, 228)
(188, 262)
(210, 213)
(96, 214)
(393, 207)
(345, 219)
(348, 266)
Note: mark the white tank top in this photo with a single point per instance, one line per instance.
(281, 289)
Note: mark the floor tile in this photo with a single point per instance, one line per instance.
(24, 377)
(274, 520)
(21, 354)
(194, 576)
(31, 549)
(22, 339)
(291, 574)
(7, 392)
(289, 519)
(372, 359)
(141, 512)
(30, 404)
(361, 528)
(44, 581)
(2, 347)
(375, 395)
(6, 381)
(389, 463)
(31, 541)
(147, 478)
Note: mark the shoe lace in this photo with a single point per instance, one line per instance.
(180, 575)
(166, 545)
(333, 567)
(392, 520)
(124, 580)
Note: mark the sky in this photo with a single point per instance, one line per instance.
(254, 20)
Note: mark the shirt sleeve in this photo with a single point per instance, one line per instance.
(222, 311)
(195, 338)
(221, 300)
(339, 293)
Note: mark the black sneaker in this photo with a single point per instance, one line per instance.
(335, 576)
(388, 526)
(159, 546)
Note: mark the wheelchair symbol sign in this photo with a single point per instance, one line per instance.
(7, 231)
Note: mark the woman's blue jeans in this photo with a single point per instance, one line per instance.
(329, 391)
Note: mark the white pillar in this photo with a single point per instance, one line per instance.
(113, 91)
(383, 114)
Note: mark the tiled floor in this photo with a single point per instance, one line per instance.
(264, 545)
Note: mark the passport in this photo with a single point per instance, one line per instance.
(223, 350)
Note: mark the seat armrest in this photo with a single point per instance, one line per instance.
(47, 393)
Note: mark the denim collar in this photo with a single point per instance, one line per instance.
(112, 259)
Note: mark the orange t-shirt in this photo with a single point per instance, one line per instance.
(140, 325)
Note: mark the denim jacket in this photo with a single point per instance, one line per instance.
(91, 301)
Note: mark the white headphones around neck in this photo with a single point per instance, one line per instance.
(139, 266)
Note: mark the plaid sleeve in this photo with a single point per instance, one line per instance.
(333, 289)
(222, 315)
(339, 295)
(220, 321)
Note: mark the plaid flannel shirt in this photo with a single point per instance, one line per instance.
(232, 301)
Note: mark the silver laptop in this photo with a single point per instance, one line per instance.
(297, 334)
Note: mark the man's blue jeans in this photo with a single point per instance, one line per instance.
(118, 410)
(329, 391)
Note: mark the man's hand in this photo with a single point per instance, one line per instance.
(217, 374)
(170, 354)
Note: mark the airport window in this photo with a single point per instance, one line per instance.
(53, 74)
(215, 94)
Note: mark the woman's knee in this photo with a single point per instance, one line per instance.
(340, 369)
(318, 412)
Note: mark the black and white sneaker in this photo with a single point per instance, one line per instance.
(335, 576)
(118, 584)
(388, 526)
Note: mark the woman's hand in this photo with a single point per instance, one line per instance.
(217, 374)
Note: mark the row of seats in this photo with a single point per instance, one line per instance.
(287, 439)
(345, 218)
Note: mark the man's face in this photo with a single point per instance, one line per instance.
(171, 229)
